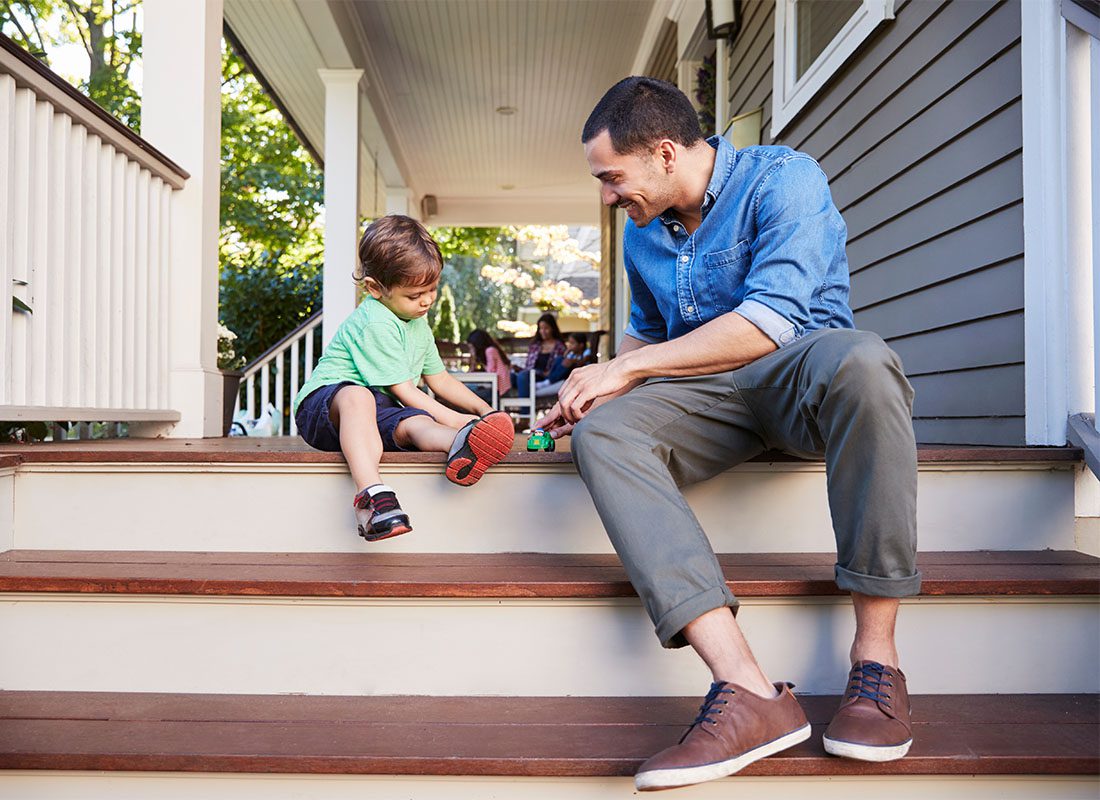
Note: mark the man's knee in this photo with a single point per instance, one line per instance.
(865, 370)
(598, 433)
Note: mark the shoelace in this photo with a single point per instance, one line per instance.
(868, 680)
(710, 702)
(383, 502)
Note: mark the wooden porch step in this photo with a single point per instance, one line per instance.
(292, 449)
(505, 736)
(506, 575)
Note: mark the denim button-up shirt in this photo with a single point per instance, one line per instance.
(770, 248)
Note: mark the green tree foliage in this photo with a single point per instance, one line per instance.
(446, 323)
(100, 28)
(478, 303)
(271, 243)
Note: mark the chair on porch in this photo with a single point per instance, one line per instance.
(540, 398)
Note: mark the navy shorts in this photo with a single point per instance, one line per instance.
(315, 424)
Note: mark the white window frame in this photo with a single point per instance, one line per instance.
(790, 96)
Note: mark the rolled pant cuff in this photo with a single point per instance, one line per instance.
(877, 587)
(670, 625)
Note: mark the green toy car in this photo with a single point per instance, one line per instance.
(540, 440)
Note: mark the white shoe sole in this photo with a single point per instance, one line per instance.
(685, 776)
(866, 752)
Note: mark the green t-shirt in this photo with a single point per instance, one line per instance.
(374, 347)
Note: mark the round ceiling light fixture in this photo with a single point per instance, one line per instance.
(506, 111)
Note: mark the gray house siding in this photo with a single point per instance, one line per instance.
(920, 134)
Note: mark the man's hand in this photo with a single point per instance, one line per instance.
(587, 384)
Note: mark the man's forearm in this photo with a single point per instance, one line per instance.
(723, 344)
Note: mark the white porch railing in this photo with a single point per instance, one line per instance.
(276, 376)
(85, 243)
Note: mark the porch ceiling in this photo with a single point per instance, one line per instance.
(437, 70)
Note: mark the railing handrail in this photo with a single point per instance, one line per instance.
(281, 346)
(30, 73)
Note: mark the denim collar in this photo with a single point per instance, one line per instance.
(723, 166)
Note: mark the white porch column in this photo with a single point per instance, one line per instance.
(341, 194)
(181, 116)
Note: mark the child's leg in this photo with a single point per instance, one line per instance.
(353, 413)
(425, 434)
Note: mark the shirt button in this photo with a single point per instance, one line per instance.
(676, 228)
(685, 259)
(690, 309)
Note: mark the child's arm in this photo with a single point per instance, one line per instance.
(455, 392)
(409, 395)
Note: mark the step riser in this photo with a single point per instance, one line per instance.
(472, 647)
(183, 786)
(755, 508)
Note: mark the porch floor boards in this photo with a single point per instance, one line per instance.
(507, 575)
(508, 736)
(292, 449)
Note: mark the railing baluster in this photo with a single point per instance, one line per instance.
(280, 369)
(265, 386)
(7, 211)
(22, 177)
(309, 354)
(294, 385)
(250, 383)
(89, 211)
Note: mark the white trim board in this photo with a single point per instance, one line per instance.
(791, 95)
(1060, 326)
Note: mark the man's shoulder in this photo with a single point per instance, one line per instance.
(764, 162)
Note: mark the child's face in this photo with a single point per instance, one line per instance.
(574, 346)
(407, 302)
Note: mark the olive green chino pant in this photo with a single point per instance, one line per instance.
(837, 394)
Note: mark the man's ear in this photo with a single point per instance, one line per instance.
(666, 152)
(374, 288)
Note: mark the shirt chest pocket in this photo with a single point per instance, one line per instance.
(724, 275)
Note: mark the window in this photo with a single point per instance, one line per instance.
(813, 39)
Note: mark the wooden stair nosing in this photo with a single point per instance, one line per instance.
(292, 450)
(508, 575)
(536, 736)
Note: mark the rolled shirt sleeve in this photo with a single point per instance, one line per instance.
(799, 230)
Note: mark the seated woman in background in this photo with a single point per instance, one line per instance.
(489, 356)
(547, 346)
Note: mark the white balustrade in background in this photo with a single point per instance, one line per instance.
(85, 243)
(279, 373)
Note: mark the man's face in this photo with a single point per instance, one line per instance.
(639, 183)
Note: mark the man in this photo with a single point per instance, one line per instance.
(740, 339)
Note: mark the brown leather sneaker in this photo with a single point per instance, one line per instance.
(872, 723)
(734, 728)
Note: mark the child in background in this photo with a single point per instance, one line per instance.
(490, 357)
(576, 355)
(362, 398)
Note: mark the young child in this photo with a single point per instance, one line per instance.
(362, 398)
(576, 355)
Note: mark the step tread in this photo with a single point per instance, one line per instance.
(507, 575)
(537, 736)
(293, 450)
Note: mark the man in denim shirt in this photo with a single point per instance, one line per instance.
(740, 340)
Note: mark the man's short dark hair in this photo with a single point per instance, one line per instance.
(638, 112)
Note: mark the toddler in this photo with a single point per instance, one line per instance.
(363, 399)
